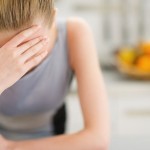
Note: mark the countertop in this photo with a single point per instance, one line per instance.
(116, 82)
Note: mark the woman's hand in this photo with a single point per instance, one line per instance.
(14, 58)
(6, 144)
(3, 143)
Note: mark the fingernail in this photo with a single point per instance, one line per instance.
(46, 40)
(37, 26)
(45, 52)
(45, 37)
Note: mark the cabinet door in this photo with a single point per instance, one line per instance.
(133, 116)
(130, 143)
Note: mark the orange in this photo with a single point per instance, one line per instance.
(143, 63)
(145, 47)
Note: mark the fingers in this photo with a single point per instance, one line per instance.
(19, 38)
(21, 49)
(33, 50)
(35, 61)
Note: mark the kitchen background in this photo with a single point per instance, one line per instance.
(118, 25)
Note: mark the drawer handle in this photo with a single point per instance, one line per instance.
(138, 113)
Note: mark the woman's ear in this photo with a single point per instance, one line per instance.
(55, 12)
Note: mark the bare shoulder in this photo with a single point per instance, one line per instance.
(80, 40)
(77, 24)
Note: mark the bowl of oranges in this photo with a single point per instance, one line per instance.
(134, 61)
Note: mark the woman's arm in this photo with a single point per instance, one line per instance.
(92, 95)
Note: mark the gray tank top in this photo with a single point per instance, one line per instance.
(28, 106)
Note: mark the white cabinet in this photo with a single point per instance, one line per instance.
(131, 115)
(130, 112)
(134, 116)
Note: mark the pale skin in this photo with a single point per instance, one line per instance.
(13, 58)
(83, 59)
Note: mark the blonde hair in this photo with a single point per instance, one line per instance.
(16, 14)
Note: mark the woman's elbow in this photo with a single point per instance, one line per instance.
(97, 142)
(101, 145)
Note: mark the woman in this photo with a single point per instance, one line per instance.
(37, 65)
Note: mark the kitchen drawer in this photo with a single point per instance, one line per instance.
(133, 116)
